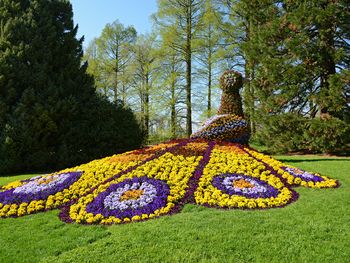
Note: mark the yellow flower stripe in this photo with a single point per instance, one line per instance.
(174, 170)
(226, 159)
(94, 173)
(292, 180)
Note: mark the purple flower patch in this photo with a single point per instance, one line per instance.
(239, 184)
(39, 188)
(305, 176)
(136, 196)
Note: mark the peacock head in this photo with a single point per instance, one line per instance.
(231, 81)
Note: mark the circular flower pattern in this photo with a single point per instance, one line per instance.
(38, 188)
(239, 184)
(131, 197)
(306, 176)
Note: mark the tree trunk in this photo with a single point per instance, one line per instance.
(327, 63)
(209, 81)
(173, 109)
(124, 94)
(115, 88)
(116, 70)
(142, 106)
(146, 106)
(188, 59)
(249, 96)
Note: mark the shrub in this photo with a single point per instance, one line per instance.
(326, 135)
(281, 133)
(291, 132)
(100, 129)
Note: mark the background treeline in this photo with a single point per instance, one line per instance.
(294, 55)
(50, 114)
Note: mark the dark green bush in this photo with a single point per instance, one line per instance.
(326, 135)
(50, 114)
(291, 132)
(37, 141)
(280, 133)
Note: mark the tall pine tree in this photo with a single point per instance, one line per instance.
(301, 54)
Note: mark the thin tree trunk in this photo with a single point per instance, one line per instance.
(173, 109)
(209, 82)
(188, 59)
(252, 104)
(116, 70)
(115, 88)
(146, 106)
(142, 106)
(249, 96)
(124, 94)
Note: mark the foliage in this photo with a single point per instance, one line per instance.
(179, 23)
(51, 116)
(327, 135)
(110, 55)
(297, 48)
(281, 133)
(291, 132)
(208, 57)
(296, 60)
(294, 57)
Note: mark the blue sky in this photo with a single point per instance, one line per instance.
(93, 15)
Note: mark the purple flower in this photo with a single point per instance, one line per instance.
(154, 195)
(259, 189)
(305, 176)
(39, 188)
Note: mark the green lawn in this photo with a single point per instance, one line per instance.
(313, 229)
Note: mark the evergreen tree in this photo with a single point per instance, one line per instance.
(50, 116)
(301, 51)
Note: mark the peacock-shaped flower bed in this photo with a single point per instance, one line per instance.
(214, 168)
(159, 180)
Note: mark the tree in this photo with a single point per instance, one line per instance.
(50, 113)
(114, 49)
(300, 48)
(209, 41)
(179, 23)
(239, 21)
(96, 69)
(145, 56)
(172, 92)
(300, 57)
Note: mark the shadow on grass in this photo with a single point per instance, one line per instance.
(26, 173)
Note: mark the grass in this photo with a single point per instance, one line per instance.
(8, 179)
(313, 229)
